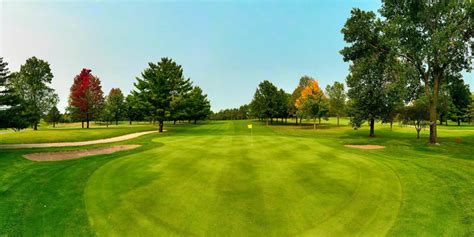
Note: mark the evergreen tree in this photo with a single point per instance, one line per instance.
(461, 99)
(11, 115)
(157, 86)
(199, 106)
(53, 116)
(135, 109)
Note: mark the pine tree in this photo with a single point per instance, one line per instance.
(157, 86)
(10, 103)
(199, 106)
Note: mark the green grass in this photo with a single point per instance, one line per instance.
(68, 133)
(215, 179)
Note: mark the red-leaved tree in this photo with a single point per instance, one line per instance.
(86, 96)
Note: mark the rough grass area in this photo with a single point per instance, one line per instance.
(216, 179)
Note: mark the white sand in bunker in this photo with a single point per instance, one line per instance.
(365, 147)
(68, 155)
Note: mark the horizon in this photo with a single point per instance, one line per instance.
(226, 48)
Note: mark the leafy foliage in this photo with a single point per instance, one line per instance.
(53, 116)
(115, 104)
(434, 38)
(376, 80)
(337, 99)
(86, 97)
(31, 84)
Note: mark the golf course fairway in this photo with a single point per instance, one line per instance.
(221, 179)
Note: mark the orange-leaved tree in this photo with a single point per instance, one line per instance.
(312, 101)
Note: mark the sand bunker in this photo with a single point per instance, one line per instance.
(365, 147)
(68, 155)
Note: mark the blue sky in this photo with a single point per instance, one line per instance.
(225, 47)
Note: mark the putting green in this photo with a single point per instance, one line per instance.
(225, 182)
(219, 179)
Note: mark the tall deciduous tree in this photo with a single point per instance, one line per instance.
(337, 99)
(115, 104)
(293, 110)
(435, 38)
(86, 97)
(264, 103)
(376, 74)
(32, 85)
(313, 102)
(11, 110)
(157, 86)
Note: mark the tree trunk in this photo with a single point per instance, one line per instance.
(418, 129)
(338, 120)
(296, 121)
(391, 125)
(116, 121)
(174, 122)
(433, 112)
(87, 119)
(82, 123)
(35, 127)
(195, 121)
(130, 122)
(54, 124)
(319, 120)
(301, 118)
(160, 126)
(459, 122)
(372, 123)
(314, 123)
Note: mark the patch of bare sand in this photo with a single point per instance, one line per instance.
(69, 155)
(365, 147)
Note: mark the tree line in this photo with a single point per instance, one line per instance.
(365, 101)
(405, 65)
(161, 94)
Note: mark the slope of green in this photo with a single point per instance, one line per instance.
(218, 179)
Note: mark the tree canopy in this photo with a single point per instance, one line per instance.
(158, 84)
(32, 85)
(86, 97)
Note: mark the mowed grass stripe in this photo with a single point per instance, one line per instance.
(215, 179)
(236, 184)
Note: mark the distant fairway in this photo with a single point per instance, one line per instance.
(215, 179)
